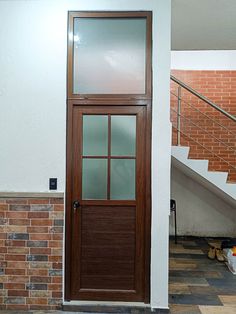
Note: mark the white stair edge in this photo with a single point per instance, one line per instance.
(198, 165)
(198, 169)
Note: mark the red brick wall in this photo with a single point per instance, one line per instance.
(31, 233)
(220, 87)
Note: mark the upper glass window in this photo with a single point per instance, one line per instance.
(109, 55)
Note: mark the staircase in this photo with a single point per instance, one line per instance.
(203, 140)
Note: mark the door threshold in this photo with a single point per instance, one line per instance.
(109, 307)
(106, 307)
(107, 303)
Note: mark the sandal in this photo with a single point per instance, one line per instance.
(212, 253)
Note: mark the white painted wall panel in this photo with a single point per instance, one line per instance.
(203, 60)
(200, 212)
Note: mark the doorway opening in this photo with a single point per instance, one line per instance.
(108, 156)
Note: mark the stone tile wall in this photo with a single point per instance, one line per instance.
(31, 240)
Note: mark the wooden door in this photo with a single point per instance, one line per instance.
(107, 250)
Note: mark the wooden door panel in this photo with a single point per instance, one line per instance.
(108, 219)
(100, 269)
(111, 252)
(99, 238)
(107, 282)
(108, 236)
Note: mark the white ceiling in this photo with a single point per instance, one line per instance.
(203, 25)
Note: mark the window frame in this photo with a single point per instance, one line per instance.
(101, 14)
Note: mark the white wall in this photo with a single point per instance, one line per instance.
(204, 60)
(32, 95)
(203, 24)
(199, 211)
(33, 36)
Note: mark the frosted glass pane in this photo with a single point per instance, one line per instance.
(122, 179)
(109, 55)
(95, 135)
(123, 135)
(94, 179)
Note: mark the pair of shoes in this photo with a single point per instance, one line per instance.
(216, 253)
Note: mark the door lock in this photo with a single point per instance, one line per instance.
(76, 205)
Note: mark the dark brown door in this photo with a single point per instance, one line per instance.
(107, 232)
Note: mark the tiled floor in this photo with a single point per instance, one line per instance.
(197, 284)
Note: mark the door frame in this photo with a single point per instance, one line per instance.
(69, 190)
(109, 100)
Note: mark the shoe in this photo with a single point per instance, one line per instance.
(219, 255)
(212, 253)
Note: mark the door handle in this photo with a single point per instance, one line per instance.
(76, 205)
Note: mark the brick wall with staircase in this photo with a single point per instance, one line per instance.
(219, 87)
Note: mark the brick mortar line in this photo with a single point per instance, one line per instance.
(31, 194)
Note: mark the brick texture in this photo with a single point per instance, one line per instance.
(31, 237)
(205, 137)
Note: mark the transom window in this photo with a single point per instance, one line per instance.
(109, 54)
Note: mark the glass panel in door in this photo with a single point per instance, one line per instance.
(123, 135)
(95, 135)
(94, 184)
(109, 157)
(122, 179)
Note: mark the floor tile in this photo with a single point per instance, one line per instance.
(190, 244)
(196, 280)
(173, 265)
(184, 309)
(217, 309)
(186, 251)
(174, 245)
(195, 273)
(227, 274)
(210, 267)
(202, 290)
(228, 299)
(197, 299)
(179, 289)
(222, 282)
(183, 267)
(179, 260)
(191, 281)
(188, 256)
(226, 290)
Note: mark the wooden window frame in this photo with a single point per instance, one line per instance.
(101, 14)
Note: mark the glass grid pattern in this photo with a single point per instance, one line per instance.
(111, 175)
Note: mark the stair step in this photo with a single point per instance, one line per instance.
(199, 165)
(180, 151)
(198, 168)
(220, 177)
(232, 188)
